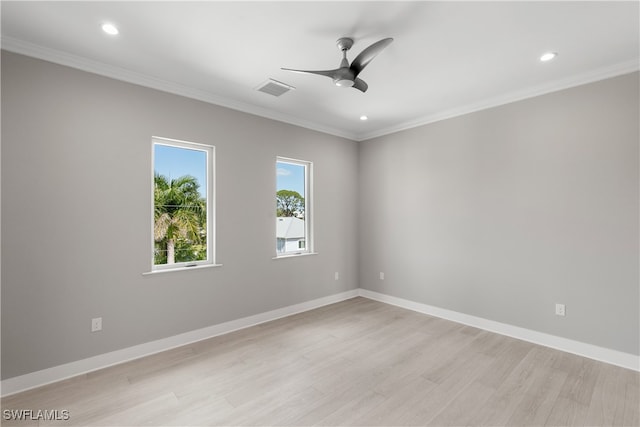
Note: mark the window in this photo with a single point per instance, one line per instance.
(183, 204)
(293, 207)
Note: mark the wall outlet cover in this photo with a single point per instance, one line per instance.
(96, 324)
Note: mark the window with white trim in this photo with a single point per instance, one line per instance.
(293, 207)
(183, 204)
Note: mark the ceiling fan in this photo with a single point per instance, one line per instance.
(347, 75)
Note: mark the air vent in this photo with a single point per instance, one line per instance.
(274, 87)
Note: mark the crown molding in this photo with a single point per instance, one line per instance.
(96, 67)
(118, 73)
(507, 98)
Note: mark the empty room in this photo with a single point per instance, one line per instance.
(320, 213)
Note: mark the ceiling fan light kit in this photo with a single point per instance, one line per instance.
(344, 82)
(347, 75)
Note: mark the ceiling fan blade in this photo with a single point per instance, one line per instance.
(368, 54)
(360, 84)
(328, 73)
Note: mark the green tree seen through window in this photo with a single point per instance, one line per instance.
(289, 203)
(179, 220)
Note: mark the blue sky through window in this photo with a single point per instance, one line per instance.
(174, 162)
(290, 177)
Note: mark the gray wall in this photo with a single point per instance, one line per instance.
(498, 214)
(504, 212)
(76, 182)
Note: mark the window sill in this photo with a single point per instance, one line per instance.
(294, 255)
(173, 270)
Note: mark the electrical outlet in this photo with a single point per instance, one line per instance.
(96, 324)
(560, 310)
(381, 275)
(336, 276)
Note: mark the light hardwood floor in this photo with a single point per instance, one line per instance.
(355, 363)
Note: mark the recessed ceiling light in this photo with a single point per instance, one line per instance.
(110, 29)
(548, 56)
(363, 117)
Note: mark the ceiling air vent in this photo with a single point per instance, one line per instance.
(274, 87)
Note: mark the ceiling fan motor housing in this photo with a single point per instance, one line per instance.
(344, 76)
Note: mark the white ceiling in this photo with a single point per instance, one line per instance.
(448, 58)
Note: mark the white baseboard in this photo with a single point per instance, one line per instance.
(613, 357)
(72, 369)
(57, 373)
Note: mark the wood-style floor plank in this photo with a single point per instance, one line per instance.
(354, 363)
